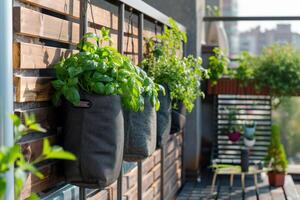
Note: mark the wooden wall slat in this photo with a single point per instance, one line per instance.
(33, 56)
(32, 23)
(33, 150)
(46, 116)
(52, 173)
(32, 89)
(71, 8)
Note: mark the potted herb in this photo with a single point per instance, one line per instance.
(97, 83)
(249, 141)
(249, 129)
(276, 158)
(180, 76)
(141, 127)
(233, 131)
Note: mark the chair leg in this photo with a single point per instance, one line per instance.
(231, 180)
(243, 182)
(255, 182)
(213, 183)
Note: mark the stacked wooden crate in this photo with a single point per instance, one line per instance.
(46, 31)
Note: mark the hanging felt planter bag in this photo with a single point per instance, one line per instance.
(178, 118)
(164, 118)
(94, 132)
(140, 133)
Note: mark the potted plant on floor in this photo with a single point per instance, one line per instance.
(180, 76)
(97, 83)
(276, 159)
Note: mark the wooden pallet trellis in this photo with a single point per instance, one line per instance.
(257, 108)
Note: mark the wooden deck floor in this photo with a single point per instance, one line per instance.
(202, 190)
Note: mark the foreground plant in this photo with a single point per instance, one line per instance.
(103, 71)
(181, 75)
(13, 157)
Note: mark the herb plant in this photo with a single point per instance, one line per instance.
(217, 65)
(276, 153)
(245, 70)
(102, 70)
(163, 62)
(13, 157)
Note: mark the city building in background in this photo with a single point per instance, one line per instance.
(255, 39)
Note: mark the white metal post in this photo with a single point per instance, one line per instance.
(6, 86)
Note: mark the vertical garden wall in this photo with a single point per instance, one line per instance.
(44, 32)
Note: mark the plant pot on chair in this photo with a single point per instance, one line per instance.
(276, 179)
(163, 118)
(249, 131)
(178, 118)
(234, 136)
(249, 142)
(140, 133)
(94, 132)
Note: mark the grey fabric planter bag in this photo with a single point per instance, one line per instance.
(140, 133)
(164, 118)
(94, 132)
(178, 118)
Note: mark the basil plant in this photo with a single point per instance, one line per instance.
(102, 70)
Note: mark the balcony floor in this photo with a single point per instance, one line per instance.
(202, 190)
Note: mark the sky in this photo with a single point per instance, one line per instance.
(268, 8)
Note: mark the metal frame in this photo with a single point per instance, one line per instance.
(140, 58)
(121, 21)
(250, 18)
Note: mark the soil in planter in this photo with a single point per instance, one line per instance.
(94, 132)
(140, 133)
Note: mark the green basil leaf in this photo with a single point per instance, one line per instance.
(99, 88)
(72, 95)
(58, 84)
